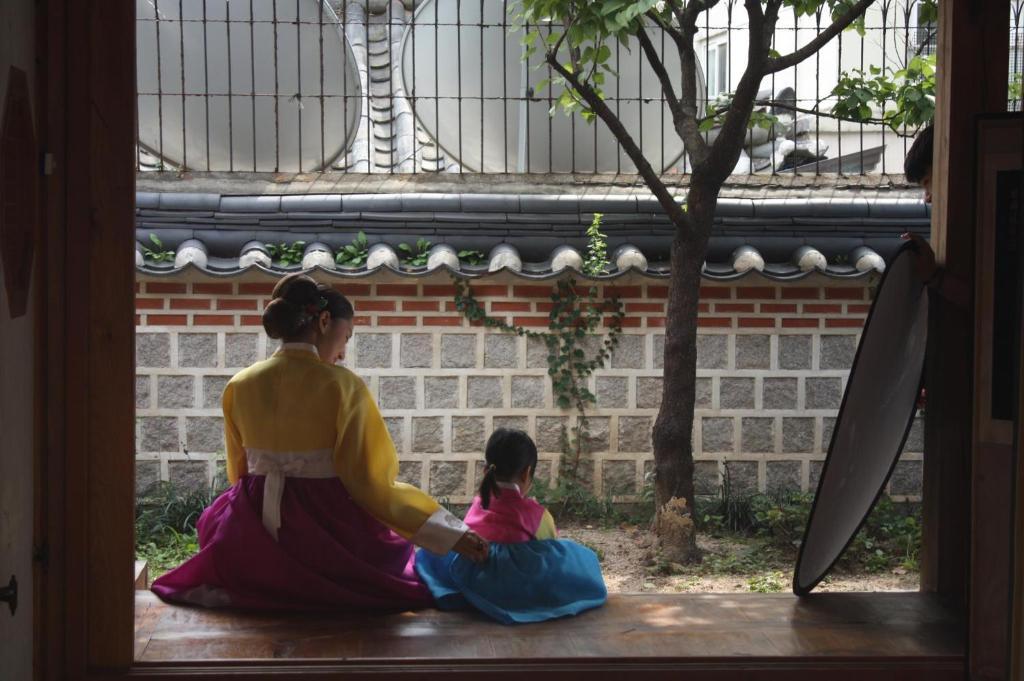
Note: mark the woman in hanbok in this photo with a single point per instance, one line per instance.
(530, 575)
(314, 518)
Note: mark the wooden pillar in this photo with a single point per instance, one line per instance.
(89, 468)
(972, 79)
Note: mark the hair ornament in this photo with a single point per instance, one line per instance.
(313, 309)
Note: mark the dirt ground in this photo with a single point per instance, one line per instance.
(629, 563)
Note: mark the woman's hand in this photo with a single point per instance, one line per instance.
(472, 546)
(924, 263)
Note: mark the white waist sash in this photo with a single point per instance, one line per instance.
(276, 466)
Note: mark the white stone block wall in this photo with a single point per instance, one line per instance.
(773, 361)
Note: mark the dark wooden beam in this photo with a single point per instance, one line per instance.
(972, 79)
(96, 284)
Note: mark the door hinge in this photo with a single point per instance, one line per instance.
(48, 163)
(9, 594)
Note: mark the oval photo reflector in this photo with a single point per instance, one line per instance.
(873, 422)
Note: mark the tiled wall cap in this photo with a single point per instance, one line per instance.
(809, 259)
(318, 255)
(382, 254)
(746, 258)
(566, 256)
(442, 254)
(865, 260)
(504, 256)
(629, 256)
(191, 251)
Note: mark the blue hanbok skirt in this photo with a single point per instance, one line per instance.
(519, 583)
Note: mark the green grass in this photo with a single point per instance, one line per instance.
(167, 552)
(165, 524)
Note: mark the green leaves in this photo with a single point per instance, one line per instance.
(928, 12)
(157, 253)
(287, 254)
(1014, 90)
(905, 98)
(581, 33)
(471, 257)
(596, 261)
(354, 254)
(835, 10)
(574, 317)
(719, 108)
(415, 256)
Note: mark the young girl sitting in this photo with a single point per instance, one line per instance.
(530, 574)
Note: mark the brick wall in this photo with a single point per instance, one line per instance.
(772, 365)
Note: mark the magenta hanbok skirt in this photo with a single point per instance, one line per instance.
(330, 554)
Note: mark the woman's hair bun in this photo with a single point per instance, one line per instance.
(281, 319)
(295, 295)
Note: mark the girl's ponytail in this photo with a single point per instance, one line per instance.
(489, 485)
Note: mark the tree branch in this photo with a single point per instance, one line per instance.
(674, 211)
(818, 113)
(781, 63)
(924, 43)
(726, 148)
(659, 69)
(684, 117)
(672, 31)
(689, 132)
(692, 9)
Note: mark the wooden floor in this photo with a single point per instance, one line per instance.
(891, 626)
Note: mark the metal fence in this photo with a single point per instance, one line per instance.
(435, 86)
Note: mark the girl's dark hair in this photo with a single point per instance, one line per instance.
(297, 302)
(509, 452)
(919, 158)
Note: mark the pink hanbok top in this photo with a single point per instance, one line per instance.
(511, 517)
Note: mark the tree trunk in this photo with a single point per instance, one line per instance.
(673, 429)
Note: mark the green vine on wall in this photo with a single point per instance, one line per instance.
(576, 314)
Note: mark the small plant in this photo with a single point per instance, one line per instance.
(570, 499)
(355, 253)
(890, 538)
(157, 253)
(287, 254)
(753, 559)
(471, 257)
(769, 583)
(170, 551)
(165, 523)
(729, 512)
(782, 519)
(596, 262)
(416, 256)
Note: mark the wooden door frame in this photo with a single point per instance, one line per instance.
(85, 527)
(85, 522)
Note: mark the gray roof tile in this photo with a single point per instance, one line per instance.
(536, 225)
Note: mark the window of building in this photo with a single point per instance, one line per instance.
(718, 69)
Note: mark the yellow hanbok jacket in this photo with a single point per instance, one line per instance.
(294, 402)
